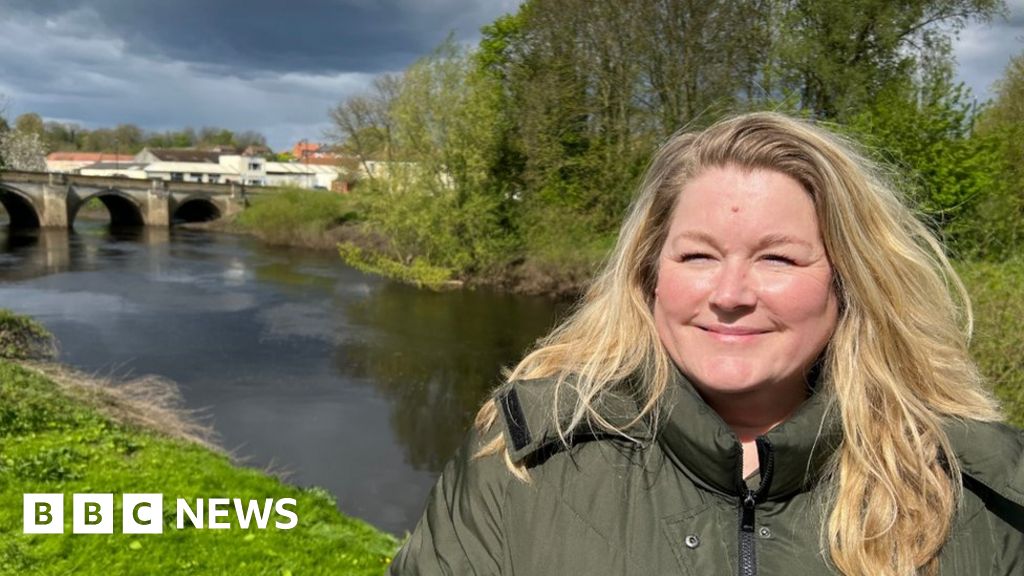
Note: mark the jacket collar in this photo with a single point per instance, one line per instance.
(529, 410)
(698, 442)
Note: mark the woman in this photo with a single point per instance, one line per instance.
(770, 376)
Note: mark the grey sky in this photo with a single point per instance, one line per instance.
(275, 67)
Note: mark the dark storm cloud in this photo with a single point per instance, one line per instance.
(275, 67)
(259, 36)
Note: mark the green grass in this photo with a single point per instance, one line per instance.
(295, 217)
(997, 291)
(22, 337)
(51, 441)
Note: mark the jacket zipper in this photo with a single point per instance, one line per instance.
(749, 500)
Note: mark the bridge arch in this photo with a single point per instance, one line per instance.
(20, 209)
(196, 210)
(123, 209)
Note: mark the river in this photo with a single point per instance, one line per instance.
(302, 365)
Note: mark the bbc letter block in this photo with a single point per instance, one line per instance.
(43, 513)
(92, 513)
(142, 514)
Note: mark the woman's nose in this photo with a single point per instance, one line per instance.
(732, 288)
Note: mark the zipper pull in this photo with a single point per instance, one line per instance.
(747, 517)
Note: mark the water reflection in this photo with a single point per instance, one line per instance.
(33, 252)
(436, 356)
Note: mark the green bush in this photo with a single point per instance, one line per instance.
(24, 338)
(998, 344)
(294, 216)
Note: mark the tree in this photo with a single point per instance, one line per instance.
(249, 138)
(29, 123)
(22, 151)
(436, 125)
(837, 55)
(127, 138)
(362, 124)
(1003, 121)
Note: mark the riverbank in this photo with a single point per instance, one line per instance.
(65, 432)
(326, 221)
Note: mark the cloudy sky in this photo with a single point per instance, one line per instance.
(270, 66)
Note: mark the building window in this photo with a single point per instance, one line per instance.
(254, 166)
(212, 178)
(177, 177)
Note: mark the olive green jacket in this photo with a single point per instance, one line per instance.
(677, 504)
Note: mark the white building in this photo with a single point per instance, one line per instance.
(302, 175)
(217, 167)
(191, 172)
(252, 170)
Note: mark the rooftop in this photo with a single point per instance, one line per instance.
(88, 157)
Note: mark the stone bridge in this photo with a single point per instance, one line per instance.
(44, 200)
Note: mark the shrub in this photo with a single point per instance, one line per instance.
(294, 216)
(24, 338)
(999, 328)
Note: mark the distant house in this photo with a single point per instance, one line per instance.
(305, 149)
(204, 172)
(252, 170)
(219, 166)
(149, 155)
(71, 162)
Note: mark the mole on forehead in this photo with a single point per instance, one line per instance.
(735, 208)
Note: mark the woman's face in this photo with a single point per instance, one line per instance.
(744, 299)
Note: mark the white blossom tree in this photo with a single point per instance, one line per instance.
(22, 151)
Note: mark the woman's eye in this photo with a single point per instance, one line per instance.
(779, 258)
(694, 257)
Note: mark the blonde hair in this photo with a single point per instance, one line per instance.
(896, 367)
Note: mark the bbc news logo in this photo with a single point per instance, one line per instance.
(144, 513)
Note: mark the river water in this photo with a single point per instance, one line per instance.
(302, 365)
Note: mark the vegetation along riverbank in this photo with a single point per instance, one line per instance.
(64, 432)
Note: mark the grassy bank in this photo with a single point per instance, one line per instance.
(62, 432)
(295, 217)
(551, 264)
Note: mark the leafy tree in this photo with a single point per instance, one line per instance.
(29, 123)
(1003, 122)
(926, 130)
(250, 138)
(128, 138)
(837, 55)
(434, 203)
